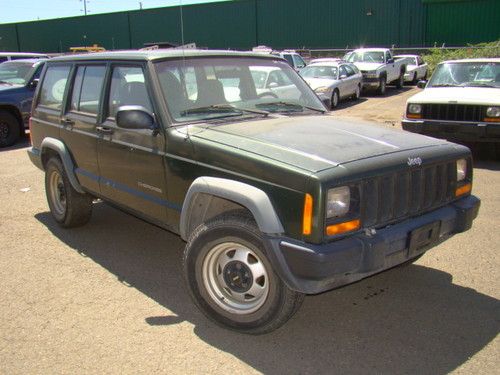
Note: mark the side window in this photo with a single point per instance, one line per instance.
(343, 72)
(87, 89)
(288, 58)
(128, 87)
(349, 70)
(299, 62)
(53, 86)
(389, 56)
(38, 70)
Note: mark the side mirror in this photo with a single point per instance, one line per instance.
(135, 117)
(421, 84)
(33, 83)
(390, 61)
(343, 76)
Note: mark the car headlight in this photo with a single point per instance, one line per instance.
(323, 89)
(415, 109)
(493, 112)
(338, 201)
(461, 169)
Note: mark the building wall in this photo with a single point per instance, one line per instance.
(242, 24)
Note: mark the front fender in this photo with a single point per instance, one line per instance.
(250, 197)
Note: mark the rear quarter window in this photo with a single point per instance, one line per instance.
(53, 86)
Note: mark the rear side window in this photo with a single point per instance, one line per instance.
(128, 87)
(54, 84)
(87, 89)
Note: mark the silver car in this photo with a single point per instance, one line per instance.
(334, 79)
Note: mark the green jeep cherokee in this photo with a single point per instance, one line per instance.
(235, 153)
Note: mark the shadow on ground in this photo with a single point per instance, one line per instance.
(407, 320)
(390, 92)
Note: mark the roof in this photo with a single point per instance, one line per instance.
(406, 55)
(22, 54)
(495, 60)
(328, 63)
(27, 61)
(146, 55)
(371, 49)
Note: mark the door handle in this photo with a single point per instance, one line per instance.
(67, 121)
(104, 130)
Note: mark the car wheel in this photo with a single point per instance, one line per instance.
(335, 99)
(357, 93)
(10, 129)
(230, 277)
(382, 86)
(414, 79)
(68, 207)
(400, 81)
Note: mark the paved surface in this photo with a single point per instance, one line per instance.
(109, 298)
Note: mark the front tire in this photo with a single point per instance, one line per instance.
(230, 277)
(382, 86)
(68, 207)
(10, 129)
(335, 99)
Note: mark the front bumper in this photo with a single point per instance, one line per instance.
(314, 269)
(457, 131)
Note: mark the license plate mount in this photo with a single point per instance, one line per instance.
(423, 236)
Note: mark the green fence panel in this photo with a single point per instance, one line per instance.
(108, 30)
(459, 23)
(8, 38)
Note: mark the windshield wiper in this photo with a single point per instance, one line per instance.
(222, 108)
(446, 85)
(292, 106)
(478, 84)
(9, 83)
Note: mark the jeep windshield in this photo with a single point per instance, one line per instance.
(14, 72)
(200, 89)
(466, 74)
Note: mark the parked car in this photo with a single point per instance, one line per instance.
(18, 80)
(460, 102)
(291, 56)
(416, 68)
(379, 68)
(336, 80)
(275, 198)
(325, 59)
(7, 56)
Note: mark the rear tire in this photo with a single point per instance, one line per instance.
(230, 277)
(414, 79)
(400, 81)
(357, 93)
(10, 129)
(68, 207)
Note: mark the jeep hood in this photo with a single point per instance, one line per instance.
(313, 143)
(458, 95)
(367, 67)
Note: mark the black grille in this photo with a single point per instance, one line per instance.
(398, 195)
(454, 112)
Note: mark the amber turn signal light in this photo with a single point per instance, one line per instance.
(492, 119)
(464, 189)
(308, 211)
(413, 115)
(348, 226)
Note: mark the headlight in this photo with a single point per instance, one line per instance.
(461, 169)
(323, 89)
(493, 112)
(415, 109)
(338, 201)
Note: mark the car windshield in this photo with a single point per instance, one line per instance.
(368, 56)
(200, 89)
(14, 72)
(320, 71)
(466, 74)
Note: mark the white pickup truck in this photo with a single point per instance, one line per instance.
(379, 68)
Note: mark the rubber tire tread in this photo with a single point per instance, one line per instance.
(290, 301)
(14, 129)
(78, 205)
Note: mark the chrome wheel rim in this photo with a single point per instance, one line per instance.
(57, 193)
(235, 278)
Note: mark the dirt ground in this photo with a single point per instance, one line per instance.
(109, 297)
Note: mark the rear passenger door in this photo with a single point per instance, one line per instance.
(79, 121)
(131, 161)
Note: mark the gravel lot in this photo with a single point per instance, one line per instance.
(109, 297)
